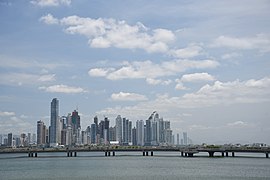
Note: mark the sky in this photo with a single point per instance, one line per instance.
(203, 65)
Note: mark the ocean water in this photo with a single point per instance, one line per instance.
(131, 166)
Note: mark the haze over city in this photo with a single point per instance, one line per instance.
(203, 66)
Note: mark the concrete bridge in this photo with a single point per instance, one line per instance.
(146, 151)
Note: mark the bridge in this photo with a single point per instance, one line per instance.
(146, 151)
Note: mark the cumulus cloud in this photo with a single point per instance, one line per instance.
(231, 92)
(153, 81)
(104, 33)
(197, 77)
(122, 96)
(151, 71)
(192, 50)
(44, 3)
(7, 113)
(99, 72)
(63, 89)
(49, 19)
(260, 42)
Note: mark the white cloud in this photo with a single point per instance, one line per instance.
(180, 86)
(47, 78)
(25, 78)
(6, 113)
(99, 72)
(236, 124)
(153, 81)
(49, 19)
(104, 33)
(50, 2)
(122, 96)
(151, 71)
(197, 77)
(63, 89)
(192, 50)
(234, 92)
(260, 42)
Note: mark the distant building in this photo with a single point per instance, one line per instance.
(134, 136)
(140, 132)
(9, 140)
(54, 133)
(185, 138)
(41, 133)
(118, 128)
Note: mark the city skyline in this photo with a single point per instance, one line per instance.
(204, 66)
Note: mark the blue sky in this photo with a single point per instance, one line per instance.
(203, 65)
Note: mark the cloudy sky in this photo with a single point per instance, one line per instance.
(203, 65)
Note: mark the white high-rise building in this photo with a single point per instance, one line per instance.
(118, 127)
(140, 132)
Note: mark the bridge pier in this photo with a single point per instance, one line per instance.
(186, 154)
(113, 153)
(106, 153)
(75, 154)
(222, 154)
(266, 155)
(35, 154)
(211, 153)
(152, 153)
(143, 153)
(182, 153)
(109, 153)
(146, 153)
(233, 154)
(227, 154)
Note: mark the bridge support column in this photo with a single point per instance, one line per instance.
(35, 154)
(266, 155)
(67, 154)
(75, 154)
(32, 154)
(143, 153)
(227, 154)
(113, 153)
(211, 154)
(190, 154)
(106, 153)
(182, 154)
(146, 153)
(222, 154)
(109, 153)
(152, 153)
(233, 154)
(186, 154)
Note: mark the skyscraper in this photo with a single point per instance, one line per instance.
(140, 132)
(41, 133)
(185, 138)
(54, 133)
(118, 127)
(10, 139)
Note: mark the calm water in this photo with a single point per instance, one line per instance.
(162, 166)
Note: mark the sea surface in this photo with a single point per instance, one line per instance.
(132, 166)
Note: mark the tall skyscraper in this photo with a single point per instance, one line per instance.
(134, 136)
(93, 133)
(185, 138)
(54, 133)
(10, 139)
(118, 127)
(178, 139)
(41, 133)
(140, 132)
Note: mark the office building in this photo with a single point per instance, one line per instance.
(54, 133)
